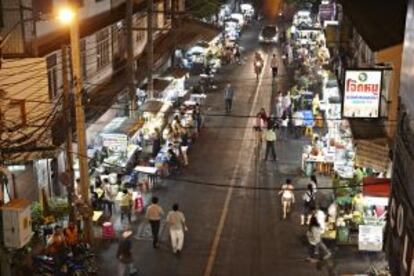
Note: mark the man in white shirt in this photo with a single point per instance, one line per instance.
(270, 136)
(176, 222)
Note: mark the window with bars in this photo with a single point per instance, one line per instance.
(52, 79)
(141, 23)
(102, 48)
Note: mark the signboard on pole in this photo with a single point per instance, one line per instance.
(115, 142)
(362, 93)
(370, 237)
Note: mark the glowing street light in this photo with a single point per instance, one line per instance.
(66, 15)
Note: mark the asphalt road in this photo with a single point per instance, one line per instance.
(232, 231)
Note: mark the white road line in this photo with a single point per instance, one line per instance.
(216, 241)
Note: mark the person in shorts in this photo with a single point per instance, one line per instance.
(287, 197)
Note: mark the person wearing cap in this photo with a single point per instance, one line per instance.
(124, 254)
(176, 223)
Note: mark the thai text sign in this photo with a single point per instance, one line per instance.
(362, 93)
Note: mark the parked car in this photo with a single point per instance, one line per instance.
(269, 34)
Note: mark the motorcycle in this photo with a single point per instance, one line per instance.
(258, 66)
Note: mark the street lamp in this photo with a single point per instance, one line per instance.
(68, 17)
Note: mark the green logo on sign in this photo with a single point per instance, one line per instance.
(362, 77)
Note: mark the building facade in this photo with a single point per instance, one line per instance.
(400, 232)
(34, 33)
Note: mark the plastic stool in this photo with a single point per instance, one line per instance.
(139, 203)
(108, 231)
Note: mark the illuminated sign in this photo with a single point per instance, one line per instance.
(362, 93)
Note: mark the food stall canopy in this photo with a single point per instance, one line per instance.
(197, 50)
(192, 31)
(378, 187)
(159, 84)
(152, 106)
(232, 20)
(203, 44)
(122, 125)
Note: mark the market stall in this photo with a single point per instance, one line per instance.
(360, 217)
(117, 139)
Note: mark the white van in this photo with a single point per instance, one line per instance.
(239, 17)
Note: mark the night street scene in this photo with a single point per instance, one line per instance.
(207, 137)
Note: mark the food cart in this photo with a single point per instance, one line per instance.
(118, 140)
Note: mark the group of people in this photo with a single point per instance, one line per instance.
(177, 226)
(311, 215)
(265, 128)
(178, 137)
(62, 241)
(309, 199)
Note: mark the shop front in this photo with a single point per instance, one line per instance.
(358, 214)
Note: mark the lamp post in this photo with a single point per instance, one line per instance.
(68, 16)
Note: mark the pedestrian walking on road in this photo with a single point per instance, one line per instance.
(176, 223)
(228, 97)
(273, 65)
(315, 240)
(270, 142)
(126, 205)
(109, 196)
(124, 255)
(288, 197)
(154, 214)
(314, 182)
(308, 205)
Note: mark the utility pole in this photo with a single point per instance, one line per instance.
(150, 49)
(130, 59)
(80, 128)
(174, 27)
(67, 116)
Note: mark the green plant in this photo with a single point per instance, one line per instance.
(37, 216)
(59, 207)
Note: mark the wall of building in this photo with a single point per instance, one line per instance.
(11, 14)
(400, 232)
(89, 9)
(363, 56)
(393, 56)
(140, 37)
(25, 183)
(97, 67)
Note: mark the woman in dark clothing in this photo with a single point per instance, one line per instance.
(156, 143)
(124, 254)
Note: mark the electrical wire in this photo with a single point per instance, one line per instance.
(182, 180)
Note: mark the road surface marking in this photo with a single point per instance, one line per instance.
(216, 241)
